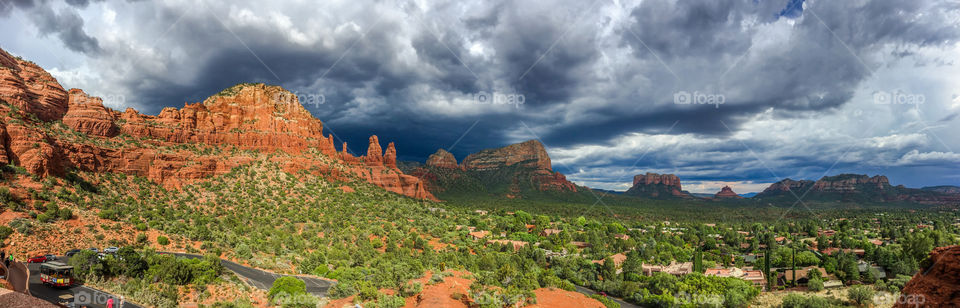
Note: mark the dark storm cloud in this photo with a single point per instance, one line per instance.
(67, 25)
(590, 72)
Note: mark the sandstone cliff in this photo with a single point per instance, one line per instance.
(178, 146)
(657, 186)
(511, 171)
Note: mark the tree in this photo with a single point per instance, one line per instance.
(860, 294)
(163, 240)
(766, 269)
(815, 284)
(287, 286)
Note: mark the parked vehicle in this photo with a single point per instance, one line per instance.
(71, 252)
(56, 274)
(37, 259)
(50, 257)
(111, 250)
(94, 249)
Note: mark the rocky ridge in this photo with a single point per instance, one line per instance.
(516, 166)
(164, 148)
(936, 285)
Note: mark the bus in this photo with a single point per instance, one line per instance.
(56, 274)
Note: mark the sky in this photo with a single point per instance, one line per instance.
(721, 92)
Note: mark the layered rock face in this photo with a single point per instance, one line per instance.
(727, 193)
(246, 117)
(442, 159)
(850, 182)
(657, 186)
(517, 167)
(529, 154)
(31, 89)
(937, 285)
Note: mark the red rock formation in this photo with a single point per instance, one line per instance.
(655, 185)
(654, 178)
(390, 156)
(31, 89)
(528, 165)
(374, 153)
(849, 182)
(529, 154)
(442, 159)
(88, 115)
(937, 285)
(727, 193)
(247, 116)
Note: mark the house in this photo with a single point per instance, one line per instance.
(876, 242)
(752, 276)
(549, 232)
(803, 275)
(516, 244)
(580, 245)
(622, 236)
(830, 284)
(676, 269)
(481, 212)
(710, 225)
(827, 232)
(479, 234)
(618, 260)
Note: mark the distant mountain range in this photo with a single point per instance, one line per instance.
(522, 169)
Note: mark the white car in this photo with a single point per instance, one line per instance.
(111, 250)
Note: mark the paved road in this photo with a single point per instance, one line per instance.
(79, 294)
(622, 303)
(264, 280)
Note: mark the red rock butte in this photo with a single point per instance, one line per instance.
(254, 117)
(727, 193)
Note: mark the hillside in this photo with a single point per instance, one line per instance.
(50, 131)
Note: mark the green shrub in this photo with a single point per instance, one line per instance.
(411, 289)
(389, 301)
(163, 240)
(287, 286)
(44, 217)
(860, 295)
(5, 232)
(606, 301)
(65, 214)
(815, 285)
(795, 300)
